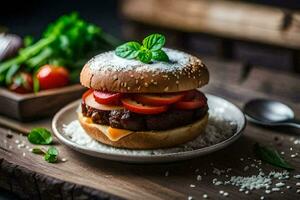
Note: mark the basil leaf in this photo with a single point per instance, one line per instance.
(51, 155)
(160, 55)
(128, 50)
(38, 150)
(145, 56)
(271, 156)
(154, 42)
(39, 136)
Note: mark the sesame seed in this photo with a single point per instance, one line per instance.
(262, 197)
(128, 88)
(190, 198)
(268, 191)
(166, 89)
(17, 141)
(177, 82)
(298, 191)
(275, 189)
(146, 84)
(297, 184)
(64, 159)
(24, 154)
(205, 196)
(192, 185)
(221, 191)
(246, 192)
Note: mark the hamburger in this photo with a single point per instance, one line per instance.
(136, 105)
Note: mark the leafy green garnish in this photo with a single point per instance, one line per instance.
(51, 155)
(154, 42)
(66, 41)
(39, 136)
(148, 51)
(271, 156)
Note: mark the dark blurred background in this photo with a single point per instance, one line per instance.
(254, 47)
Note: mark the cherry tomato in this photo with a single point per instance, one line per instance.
(50, 76)
(158, 99)
(137, 107)
(192, 100)
(22, 83)
(107, 97)
(85, 94)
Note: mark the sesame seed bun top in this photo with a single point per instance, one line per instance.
(108, 72)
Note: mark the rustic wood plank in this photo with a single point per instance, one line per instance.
(220, 18)
(277, 83)
(32, 106)
(90, 175)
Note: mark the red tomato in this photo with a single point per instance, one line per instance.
(85, 94)
(137, 107)
(50, 76)
(158, 99)
(22, 83)
(107, 97)
(192, 100)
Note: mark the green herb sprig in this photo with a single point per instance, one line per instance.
(51, 155)
(151, 49)
(43, 136)
(271, 156)
(40, 136)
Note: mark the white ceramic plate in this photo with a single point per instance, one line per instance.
(217, 104)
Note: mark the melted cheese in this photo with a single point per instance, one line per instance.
(114, 134)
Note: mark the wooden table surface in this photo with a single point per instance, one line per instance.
(85, 177)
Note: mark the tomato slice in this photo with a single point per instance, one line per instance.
(91, 101)
(158, 99)
(192, 100)
(107, 97)
(137, 107)
(85, 94)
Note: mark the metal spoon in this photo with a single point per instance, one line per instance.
(270, 113)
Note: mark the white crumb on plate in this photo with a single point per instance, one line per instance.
(217, 130)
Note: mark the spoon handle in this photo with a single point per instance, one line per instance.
(294, 123)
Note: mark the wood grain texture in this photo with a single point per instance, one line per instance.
(85, 177)
(221, 18)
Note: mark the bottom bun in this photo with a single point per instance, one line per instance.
(146, 139)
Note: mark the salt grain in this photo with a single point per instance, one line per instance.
(199, 178)
(167, 173)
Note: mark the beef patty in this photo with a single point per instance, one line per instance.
(125, 119)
